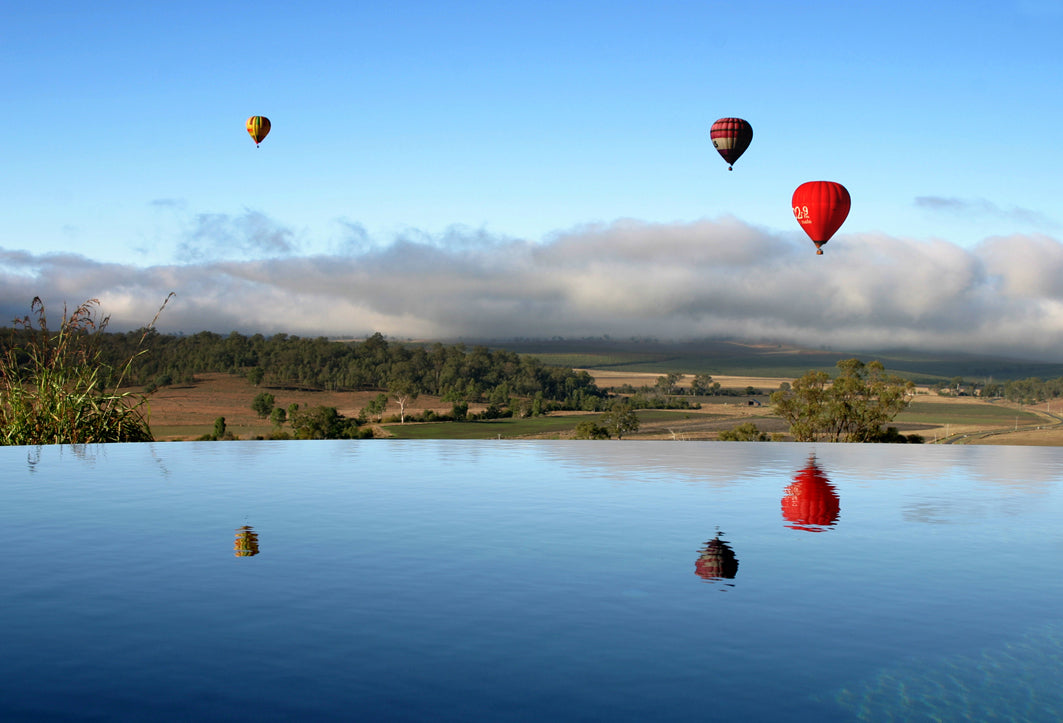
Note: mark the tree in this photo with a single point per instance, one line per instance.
(255, 375)
(263, 404)
(376, 406)
(459, 411)
(403, 392)
(853, 408)
(620, 420)
(323, 422)
(667, 384)
(589, 429)
(278, 416)
(745, 432)
(804, 405)
(701, 385)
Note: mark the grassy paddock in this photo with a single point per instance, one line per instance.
(652, 421)
(492, 429)
(967, 413)
(596, 361)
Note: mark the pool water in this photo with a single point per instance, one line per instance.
(502, 580)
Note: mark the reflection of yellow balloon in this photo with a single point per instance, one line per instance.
(246, 543)
(258, 127)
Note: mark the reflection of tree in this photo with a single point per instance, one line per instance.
(716, 560)
(246, 543)
(810, 502)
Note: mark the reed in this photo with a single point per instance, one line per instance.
(55, 387)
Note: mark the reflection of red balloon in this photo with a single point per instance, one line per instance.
(810, 502)
(717, 561)
(821, 208)
(731, 137)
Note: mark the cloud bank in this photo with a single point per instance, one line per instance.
(980, 208)
(710, 278)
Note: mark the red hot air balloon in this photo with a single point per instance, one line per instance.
(821, 207)
(731, 137)
(811, 503)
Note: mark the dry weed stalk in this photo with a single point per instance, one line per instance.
(56, 389)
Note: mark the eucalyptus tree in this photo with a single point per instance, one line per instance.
(855, 406)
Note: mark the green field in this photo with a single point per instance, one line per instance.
(988, 415)
(492, 429)
(510, 428)
(768, 360)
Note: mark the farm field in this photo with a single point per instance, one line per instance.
(187, 412)
(735, 358)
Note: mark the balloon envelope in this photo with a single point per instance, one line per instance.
(821, 208)
(258, 127)
(811, 503)
(731, 137)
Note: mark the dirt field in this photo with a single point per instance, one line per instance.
(185, 412)
(188, 412)
(649, 379)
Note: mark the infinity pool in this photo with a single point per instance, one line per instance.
(502, 581)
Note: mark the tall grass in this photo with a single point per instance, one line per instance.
(55, 387)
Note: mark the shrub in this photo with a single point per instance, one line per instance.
(589, 429)
(745, 432)
(55, 387)
(262, 404)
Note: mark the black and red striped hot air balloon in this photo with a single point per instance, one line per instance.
(731, 137)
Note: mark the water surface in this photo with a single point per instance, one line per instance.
(501, 580)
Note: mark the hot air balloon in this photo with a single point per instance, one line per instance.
(246, 542)
(258, 127)
(811, 503)
(731, 137)
(716, 561)
(821, 207)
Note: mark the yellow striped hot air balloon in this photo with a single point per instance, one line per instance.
(258, 127)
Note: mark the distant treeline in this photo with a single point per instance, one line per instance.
(1027, 391)
(453, 372)
(1023, 391)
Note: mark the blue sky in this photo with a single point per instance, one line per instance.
(487, 141)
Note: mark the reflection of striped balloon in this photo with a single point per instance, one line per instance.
(258, 127)
(731, 137)
(717, 561)
(246, 544)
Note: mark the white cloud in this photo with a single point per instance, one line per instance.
(980, 208)
(708, 278)
(211, 236)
